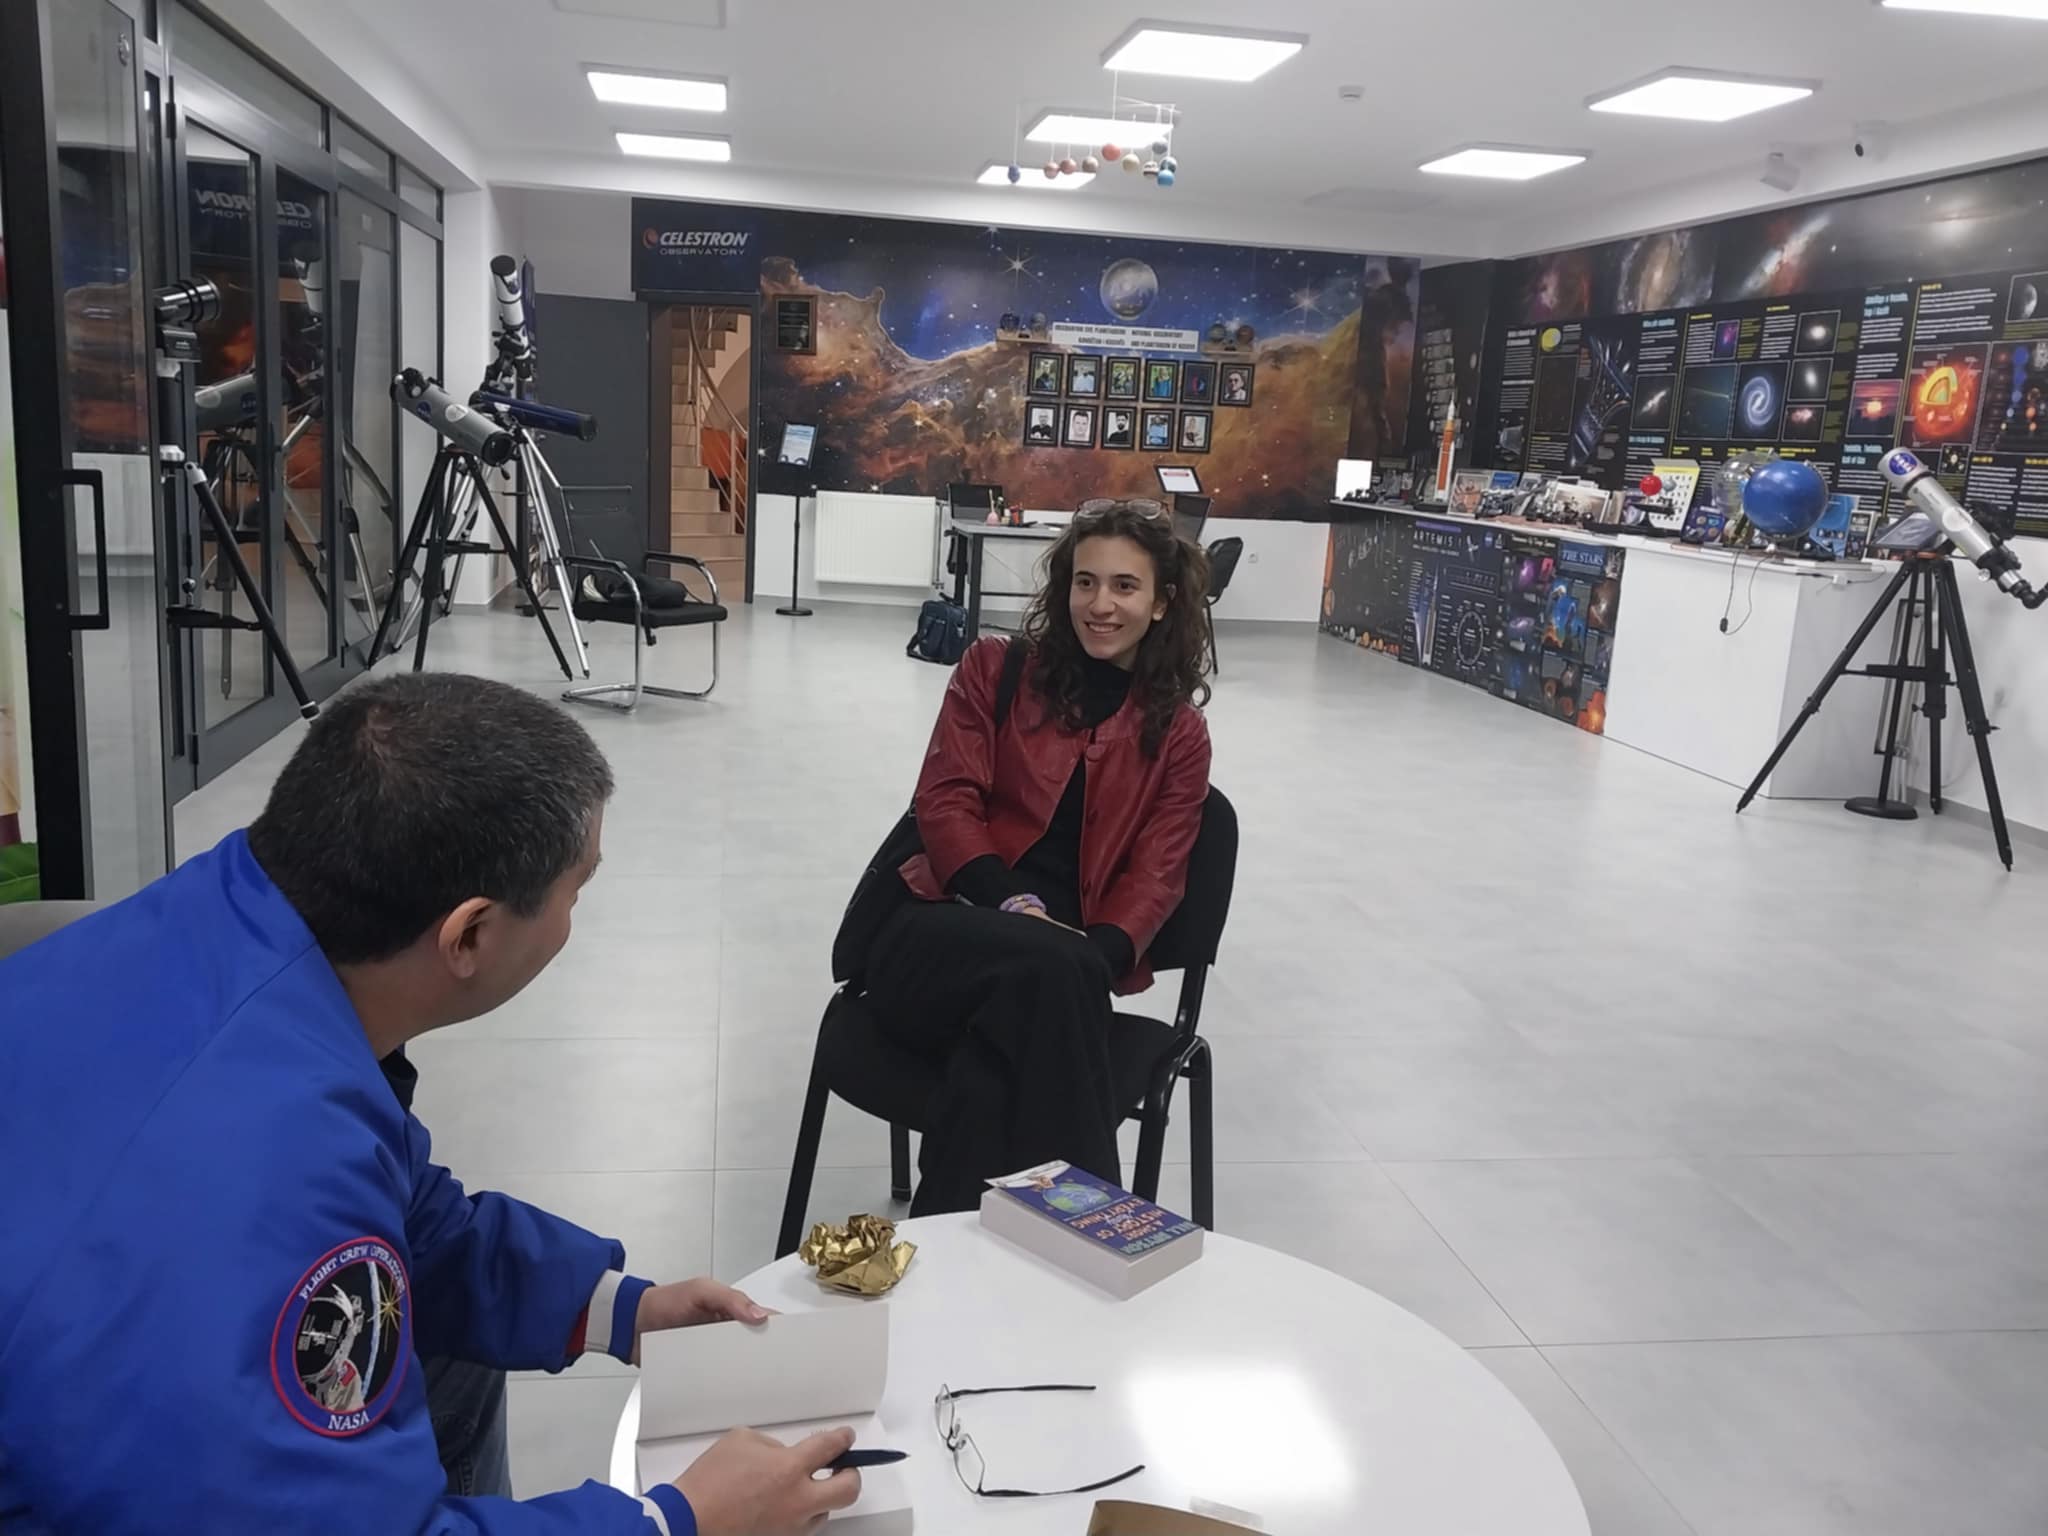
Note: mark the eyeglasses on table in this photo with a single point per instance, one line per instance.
(946, 1418)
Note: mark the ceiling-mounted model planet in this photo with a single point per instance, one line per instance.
(1128, 287)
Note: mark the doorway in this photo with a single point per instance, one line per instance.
(702, 446)
(79, 500)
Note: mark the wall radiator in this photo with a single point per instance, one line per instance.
(876, 541)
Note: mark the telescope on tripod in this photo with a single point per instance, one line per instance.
(1935, 526)
(494, 429)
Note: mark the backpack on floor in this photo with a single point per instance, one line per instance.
(941, 633)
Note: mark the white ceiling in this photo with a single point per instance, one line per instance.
(893, 106)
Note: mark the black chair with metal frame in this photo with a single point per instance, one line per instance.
(856, 1061)
(608, 593)
(1223, 557)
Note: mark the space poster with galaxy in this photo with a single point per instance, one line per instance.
(1828, 332)
(910, 387)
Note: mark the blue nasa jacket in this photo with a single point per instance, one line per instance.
(224, 1247)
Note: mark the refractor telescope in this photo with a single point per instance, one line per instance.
(535, 417)
(1913, 482)
(469, 430)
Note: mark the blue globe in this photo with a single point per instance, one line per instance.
(1784, 499)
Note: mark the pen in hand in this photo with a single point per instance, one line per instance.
(853, 1461)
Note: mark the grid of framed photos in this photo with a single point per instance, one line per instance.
(1157, 405)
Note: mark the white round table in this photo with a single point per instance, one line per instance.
(1250, 1381)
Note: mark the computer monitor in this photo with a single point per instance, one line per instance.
(968, 498)
(1179, 479)
(798, 440)
(1353, 475)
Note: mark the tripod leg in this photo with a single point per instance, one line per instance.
(1934, 693)
(430, 596)
(1958, 628)
(1902, 659)
(265, 619)
(551, 550)
(490, 507)
(429, 499)
(1811, 708)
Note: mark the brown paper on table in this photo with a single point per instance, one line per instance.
(1116, 1517)
(861, 1257)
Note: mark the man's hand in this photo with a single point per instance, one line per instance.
(750, 1485)
(688, 1303)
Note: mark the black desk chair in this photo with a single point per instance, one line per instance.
(855, 1060)
(1223, 557)
(608, 593)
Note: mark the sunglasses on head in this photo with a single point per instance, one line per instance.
(1101, 505)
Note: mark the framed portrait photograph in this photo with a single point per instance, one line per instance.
(1119, 426)
(1234, 384)
(1162, 380)
(1121, 382)
(1155, 431)
(1080, 426)
(1084, 377)
(1194, 432)
(1045, 375)
(1041, 425)
(1197, 383)
(796, 324)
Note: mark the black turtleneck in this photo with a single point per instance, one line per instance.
(1051, 867)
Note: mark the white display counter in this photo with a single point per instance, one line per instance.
(1717, 702)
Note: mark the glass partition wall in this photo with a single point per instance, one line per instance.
(139, 145)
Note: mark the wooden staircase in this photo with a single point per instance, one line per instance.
(708, 456)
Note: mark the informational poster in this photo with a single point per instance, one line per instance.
(1828, 333)
(1526, 616)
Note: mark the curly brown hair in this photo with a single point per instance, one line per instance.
(1173, 658)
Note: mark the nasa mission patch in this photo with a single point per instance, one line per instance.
(342, 1341)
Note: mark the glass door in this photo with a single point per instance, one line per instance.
(84, 482)
(254, 218)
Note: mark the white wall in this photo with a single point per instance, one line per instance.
(2011, 645)
(1280, 578)
(580, 243)
(474, 229)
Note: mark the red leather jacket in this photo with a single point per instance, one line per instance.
(982, 793)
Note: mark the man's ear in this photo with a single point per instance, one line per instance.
(456, 938)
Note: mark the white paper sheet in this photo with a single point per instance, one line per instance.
(796, 1367)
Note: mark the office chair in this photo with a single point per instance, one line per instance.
(608, 593)
(1190, 513)
(1223, 557)
(854, 1060)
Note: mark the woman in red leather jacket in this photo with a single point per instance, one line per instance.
(1055, 845)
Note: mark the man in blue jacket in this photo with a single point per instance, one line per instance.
(224, 1249)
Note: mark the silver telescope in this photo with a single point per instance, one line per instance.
(469, 430)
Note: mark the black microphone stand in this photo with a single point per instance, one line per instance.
(797, 610)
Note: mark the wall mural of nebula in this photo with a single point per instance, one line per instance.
(910, 387)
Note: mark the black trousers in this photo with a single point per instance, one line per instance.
(1020, 1012)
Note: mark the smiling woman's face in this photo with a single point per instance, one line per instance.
(1115, 597)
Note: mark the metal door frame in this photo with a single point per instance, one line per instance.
(43, 435)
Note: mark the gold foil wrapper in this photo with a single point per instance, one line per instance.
(862, 1257)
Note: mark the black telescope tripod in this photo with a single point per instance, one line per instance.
(455, 484)
(1934, 605)
(190, 615)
